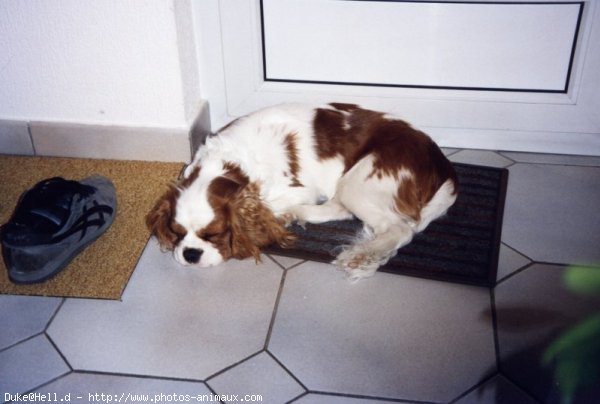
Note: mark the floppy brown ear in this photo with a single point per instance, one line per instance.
(224, 187)
(160, 217)
(254, 226)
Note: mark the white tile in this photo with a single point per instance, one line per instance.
(24, 316)
(285, 262)
(90, 388)
(553, 159)
(551, 213)
(15, 139)
(498, 390)
(28, 365)
(315, 398)
(533, 308)
(480, 157)
(387, 336)
(509, 261)
(448, 151)
(173, 321)
(259, 375)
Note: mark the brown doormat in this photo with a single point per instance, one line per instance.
(103, 269)
(462, 246)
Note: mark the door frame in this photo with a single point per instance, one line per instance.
(229, 37)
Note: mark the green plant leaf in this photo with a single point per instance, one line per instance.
(576, 354)
(585, 280)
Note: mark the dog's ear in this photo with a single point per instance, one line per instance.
(159, 219)
(224, 187)
(230, 184)
(253, 225)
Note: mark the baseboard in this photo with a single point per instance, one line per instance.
(15, 138)
(81, 140)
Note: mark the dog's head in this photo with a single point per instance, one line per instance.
(210, 216)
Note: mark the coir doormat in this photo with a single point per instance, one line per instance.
(103, 269)
(462, 246)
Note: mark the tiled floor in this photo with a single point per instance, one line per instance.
(294, 331)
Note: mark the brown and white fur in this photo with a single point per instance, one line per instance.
(299, 163)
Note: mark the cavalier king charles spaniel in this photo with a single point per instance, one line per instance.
(289, 163)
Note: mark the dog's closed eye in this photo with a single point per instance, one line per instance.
(208, 236)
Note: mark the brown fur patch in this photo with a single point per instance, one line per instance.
(291, 149)
(353, 133)
(344, 132)
(254, 226)
(161, 218)
(243, 224)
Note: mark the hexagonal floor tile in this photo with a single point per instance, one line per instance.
(173, 321)
(562, 159)
(509, 261)
(24, 316)
(285, 262)
(98, 388)
(497, 390)
(330, 399)
(480, 157)
(551, 213)
(448, 150)
(532, 308)
(28, 365)
(258, 376)
(388, 336)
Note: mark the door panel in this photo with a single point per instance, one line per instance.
(518, 76)
(434, 45)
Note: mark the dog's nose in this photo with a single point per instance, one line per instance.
(192, 255)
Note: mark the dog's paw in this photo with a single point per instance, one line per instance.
(287, 219)
(290, 218)
(358, 264)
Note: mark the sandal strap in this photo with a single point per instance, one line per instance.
(43, 211)
(84, 222)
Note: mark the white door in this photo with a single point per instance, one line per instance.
(510, 75)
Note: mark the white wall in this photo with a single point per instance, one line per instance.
(101, 61)
(99, 79)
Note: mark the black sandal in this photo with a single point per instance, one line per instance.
(52, 223)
